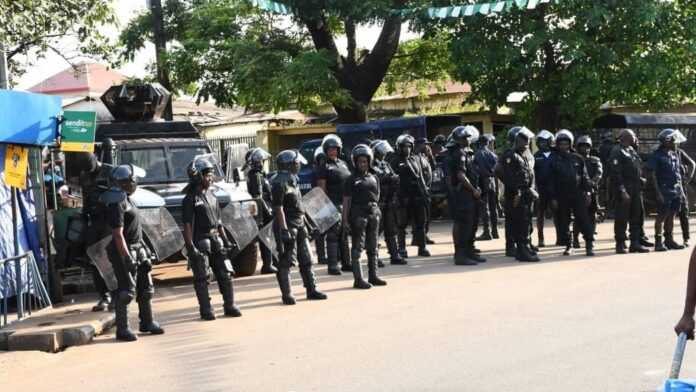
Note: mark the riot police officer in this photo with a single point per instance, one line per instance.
(517, 171)
(571, 191)
(486, 160)
(464, 194)
(130, 259)
(413, 194)
(439, 142)
(688, 167)
(595, 172)
(361, 216)
(319, 239)
(388, 203)
(665, 174)
(427, 161)
(625, 165)
(206, 241)
(331, 178)
(542, 168)
(260, 189)
(290, 227)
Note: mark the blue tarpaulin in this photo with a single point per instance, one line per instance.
(29, 119)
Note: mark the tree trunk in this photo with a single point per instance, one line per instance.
(160, 39)
(546, 116)
(355, 113)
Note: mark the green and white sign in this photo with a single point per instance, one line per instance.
(77, 131)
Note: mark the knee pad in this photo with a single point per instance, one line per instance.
(124, 297)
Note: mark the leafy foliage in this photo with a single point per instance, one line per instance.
(573, 56)
(31, 25)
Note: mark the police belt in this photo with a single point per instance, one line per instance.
(209, 234)
(370, 204)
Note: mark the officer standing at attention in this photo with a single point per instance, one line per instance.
(129, 258)
(485, 160)
(688, 167)
(517, 169)
(320, 239)
(292, 236)
(542, 171)
(361, 216)
(464, 194)
(260, 189)
(423, 151)
(331, 178)
(206, 240)
(571, 191)
(625, 165)
(665, 175)
(413, 195)
(389, 185)
(595, 171)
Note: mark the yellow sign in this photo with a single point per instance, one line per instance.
(16, 162)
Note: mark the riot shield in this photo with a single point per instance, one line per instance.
(267, 237)
(320, 210)
(241, 225)
(99, 256)
(161, 231)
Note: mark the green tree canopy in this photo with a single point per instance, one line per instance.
(31, 25)
(573, 56)
(238, 55)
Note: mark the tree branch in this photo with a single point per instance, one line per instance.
(376, 64)
(25, 45)
(352, 44)
(322, 38)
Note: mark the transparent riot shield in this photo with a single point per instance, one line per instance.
(320, 210)
(267, 237)
(241, 225)
(161, 231)
(99, 256)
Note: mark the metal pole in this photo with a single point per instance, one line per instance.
(18, 262)
(53, 180)
(4, 79)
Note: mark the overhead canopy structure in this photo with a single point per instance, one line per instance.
(645, 120)
(28, 119)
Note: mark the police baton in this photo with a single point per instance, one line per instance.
(678, 356)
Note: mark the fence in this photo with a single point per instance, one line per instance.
(219, 144)
(26, 286)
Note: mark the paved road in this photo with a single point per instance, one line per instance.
(566, 324)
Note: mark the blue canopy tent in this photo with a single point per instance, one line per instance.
(30, 120)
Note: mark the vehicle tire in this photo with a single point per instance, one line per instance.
(246, 261)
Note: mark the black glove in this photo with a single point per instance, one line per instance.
(130, 264)
(286, 236)
(192, 251)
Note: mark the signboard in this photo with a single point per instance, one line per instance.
(77, 131)
(16, 162)
(29, 119)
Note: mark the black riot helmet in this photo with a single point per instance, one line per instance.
(332, 141)
(200, 166)
(319, 156)
(405, 143)
(126, 177)
(486, 139)
(440, 140)
(257, 156)
(290, 161)
(565, 134)
(381, 148)
(467, 133)
(361, 150)
(584, 140)
(670, 135)
(519, 131)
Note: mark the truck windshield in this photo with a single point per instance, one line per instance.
(181, 156)
(165, 165)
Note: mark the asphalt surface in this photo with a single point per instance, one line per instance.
(565, 324)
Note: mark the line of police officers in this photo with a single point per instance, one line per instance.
(383, 190)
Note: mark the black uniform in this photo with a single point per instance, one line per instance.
(132, 275)
(684, 211)
(285, 193)
(389, 183)
(427, 166)
(363, 190)
(607, 196)
(260, 189)
(463, 205)
(486, 160)
(625, 165)
(202, 211)
(595, 172)
(518, 179)
(335, 173)
(570, 185)
(413, 198)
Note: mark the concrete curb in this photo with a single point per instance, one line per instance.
(68, 329)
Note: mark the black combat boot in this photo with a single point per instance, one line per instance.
(541, 240)
(576, 240)
(659, 246)
(671, 244)
(476, 257)
(103, 304)
(123, 332)
(310, 284)
(227, 291)
(373, 278)
(621, 248)
(460, 258)
(402, 246)
(568, 250)
(358, 281)
(283, 277)
(637, 247)
(524, 255)
(393, 248)
(428, 240)
(494, 232)
(510, 249)
(267, 258)
(332, 254)
(204, 307)
(147, 323)
(589, 248)
(423, 252)
(486, 235)
(646, 242)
